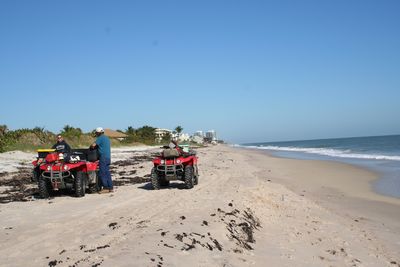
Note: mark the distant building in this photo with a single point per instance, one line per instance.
(211, 136)
(199, 134)
(115, 134)
(160, 133)
(197, 139)
(183, 137)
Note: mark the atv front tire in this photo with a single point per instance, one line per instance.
(35, 175)
(44, 187)
(154, 179)
(196, 176)
(189, 177)
(79, 186)
(94, 184)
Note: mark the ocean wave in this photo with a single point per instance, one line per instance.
(326, 152)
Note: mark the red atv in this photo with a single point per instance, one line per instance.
(79, 172)
(175, 164)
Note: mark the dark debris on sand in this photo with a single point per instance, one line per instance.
(241, 228)
(18, 186)
(126, 180)
(192, 240)
(135, 160)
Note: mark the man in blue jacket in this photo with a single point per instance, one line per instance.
(104, 148)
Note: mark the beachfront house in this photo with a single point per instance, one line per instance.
(160, 133)
(115, 134)
(197, 139)
(183, 137)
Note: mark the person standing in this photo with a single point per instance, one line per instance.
(104, 148)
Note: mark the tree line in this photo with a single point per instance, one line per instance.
(39, 137)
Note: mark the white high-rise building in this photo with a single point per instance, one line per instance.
(199, 134)
(211, 135)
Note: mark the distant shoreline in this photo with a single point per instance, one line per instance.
(379, 154)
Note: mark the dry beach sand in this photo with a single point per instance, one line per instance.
(249, 209)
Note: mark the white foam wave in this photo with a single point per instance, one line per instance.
(328, 152)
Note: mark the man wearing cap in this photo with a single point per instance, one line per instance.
(103, 146)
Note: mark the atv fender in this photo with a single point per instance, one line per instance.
(92, 177)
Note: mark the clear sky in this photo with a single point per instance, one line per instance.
(251, 70)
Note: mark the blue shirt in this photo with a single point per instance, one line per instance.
(103, 143)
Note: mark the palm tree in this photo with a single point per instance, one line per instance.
(130, 130)
(3, 129)
(178, 129)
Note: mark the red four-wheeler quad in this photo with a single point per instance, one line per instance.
(79, 172)
(175, 164)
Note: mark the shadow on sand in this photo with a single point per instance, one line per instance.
(177, 185)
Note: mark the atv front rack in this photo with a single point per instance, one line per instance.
(170, 170)
(56, 177)
(56, 174)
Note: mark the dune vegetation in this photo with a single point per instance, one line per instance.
(27, 139)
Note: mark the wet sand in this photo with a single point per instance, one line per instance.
(345, 190)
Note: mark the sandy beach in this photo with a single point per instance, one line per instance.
(249, 209)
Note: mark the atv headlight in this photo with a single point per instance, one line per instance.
(66, 168)
(48, 168)
(162, 161)
(178, 161)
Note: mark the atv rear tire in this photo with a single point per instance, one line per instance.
(94, 188)
(189, 177)
(44, 187)
(154, 179)
(80, 182)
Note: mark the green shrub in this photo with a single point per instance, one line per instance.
(24, 139)
(145, 135)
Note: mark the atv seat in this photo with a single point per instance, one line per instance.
(85, 154)
(170, 153)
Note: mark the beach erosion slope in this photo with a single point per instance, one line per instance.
(249, 209)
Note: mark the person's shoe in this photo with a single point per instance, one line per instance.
(111, 190)
(104, 191)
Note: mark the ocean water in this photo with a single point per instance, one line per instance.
(377, 153)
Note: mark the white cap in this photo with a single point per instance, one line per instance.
(99, 130)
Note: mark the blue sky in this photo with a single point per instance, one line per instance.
(251, 70)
